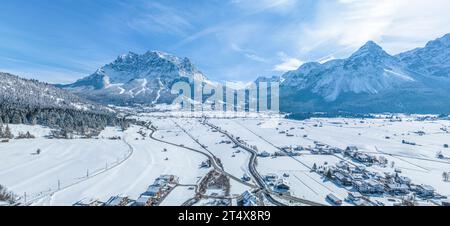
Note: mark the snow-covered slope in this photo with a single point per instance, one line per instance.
(30, 102)
(371, 80)
(369, 70)
(433, 59)
(134, 78)
(16, 91)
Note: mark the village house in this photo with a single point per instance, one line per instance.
(336, 150)
(247, 199)
(397, 188)
(343, 165)
(281, 186)
(342, 179)
(153, 191)
(323, 151)
(369, 187)
(205, 164)
(363, 202)
(144, 200)
(350, 150)
(445, 202)
(89, 203)
(420, 133)
(280, 153)
(271, 177)
(353, 196)
(245, 177)
(363, 158)
(357, 176)
(118, 201)
(166, 179)
(375, 186)
(264, 154)
(333, 199)
(403, 180)
(361, 186)
(425, 190)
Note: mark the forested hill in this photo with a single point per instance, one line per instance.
(33, 102)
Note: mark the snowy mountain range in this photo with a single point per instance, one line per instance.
(136, 79)
(370, 80)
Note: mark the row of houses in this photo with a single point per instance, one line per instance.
(356, 155)
(152, 196)
(155, 192)
(370, 183)
(323, 149)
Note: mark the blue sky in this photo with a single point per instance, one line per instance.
(60, 41)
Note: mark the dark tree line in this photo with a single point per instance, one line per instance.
(24, 101)
(65, 119)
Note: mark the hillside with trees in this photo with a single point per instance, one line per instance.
(25, 101)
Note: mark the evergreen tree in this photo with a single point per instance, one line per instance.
(329, 175)
(314, 168)
(7, 133)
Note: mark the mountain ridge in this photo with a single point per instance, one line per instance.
(136, 79)
(369, 76)
(373, 79)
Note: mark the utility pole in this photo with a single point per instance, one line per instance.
(59, 184)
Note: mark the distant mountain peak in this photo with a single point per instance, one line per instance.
(433, 59)
(443, 41)
(370, 48)
(133, 77)
(372, 80)
(371, 44)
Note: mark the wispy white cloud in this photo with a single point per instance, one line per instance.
(250, 54)
(160, 18)
(219, 36)
(257, 6)
(288, 63)
(397, 25)
(44, 72)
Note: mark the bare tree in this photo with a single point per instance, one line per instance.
(6, 196)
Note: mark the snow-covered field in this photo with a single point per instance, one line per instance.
(68, 171)
(112, 168)
(417, 162)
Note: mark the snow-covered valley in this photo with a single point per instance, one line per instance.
(237, 155)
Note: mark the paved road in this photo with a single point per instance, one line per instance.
(210, 157)
(251, 166)
(257, 175)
